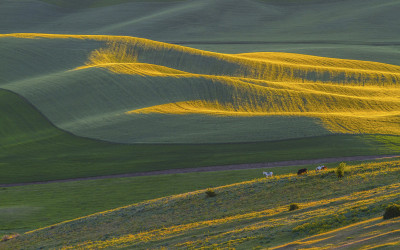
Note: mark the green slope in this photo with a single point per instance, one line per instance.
(92, 103)
(21, 123)
(30, 58)
(243, 215)
(34, 150)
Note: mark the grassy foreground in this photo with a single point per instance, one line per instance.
(243, 215)
(28, 207)
(25, 208)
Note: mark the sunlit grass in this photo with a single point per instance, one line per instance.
(311, 211)
(241, 215)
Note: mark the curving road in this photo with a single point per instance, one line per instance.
(215, 168)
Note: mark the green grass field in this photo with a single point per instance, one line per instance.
(51, 154)
(244, 215)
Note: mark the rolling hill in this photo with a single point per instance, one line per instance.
(33, 149)
(129, 87)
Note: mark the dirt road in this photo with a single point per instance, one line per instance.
(215, 168)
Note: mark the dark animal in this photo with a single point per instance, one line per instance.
(302, 171)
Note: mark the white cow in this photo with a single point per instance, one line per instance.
(319, 168)
(268, 174)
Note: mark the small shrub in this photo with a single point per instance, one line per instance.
(340, 170)
(9, 237)
(293, 206)
(210, 193)
(391, 211)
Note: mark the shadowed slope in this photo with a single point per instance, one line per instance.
(20, 123)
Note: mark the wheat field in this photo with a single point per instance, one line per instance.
(345, 96)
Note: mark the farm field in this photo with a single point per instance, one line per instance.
(96, 90)
(242, 215)
(51, 154)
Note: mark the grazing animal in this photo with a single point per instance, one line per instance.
(319, 168)
(268, 174)
(302, 171)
